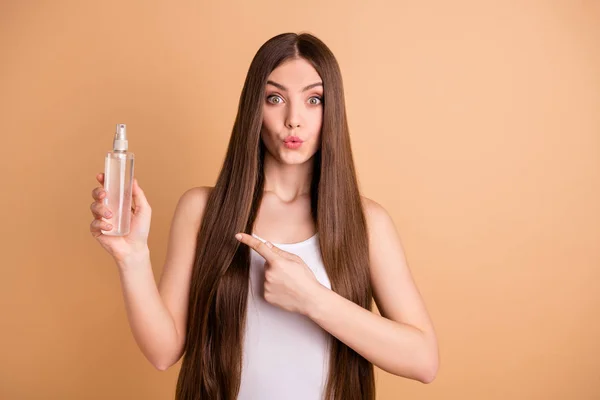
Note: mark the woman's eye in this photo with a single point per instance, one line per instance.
(274, 99)
(315, 100)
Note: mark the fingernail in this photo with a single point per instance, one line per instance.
(108, 214)
(238, 236)
(109, 227)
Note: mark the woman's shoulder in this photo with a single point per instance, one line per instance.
(193, 201)
(379, 221)
(371, 208)
(197, 193)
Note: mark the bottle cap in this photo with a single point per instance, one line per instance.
(120, 141)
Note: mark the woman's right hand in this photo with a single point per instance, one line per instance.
(125, 247)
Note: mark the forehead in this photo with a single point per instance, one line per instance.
(295, 74)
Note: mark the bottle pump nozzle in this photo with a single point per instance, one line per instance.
(120, 141)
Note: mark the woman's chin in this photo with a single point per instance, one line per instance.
(293, 158)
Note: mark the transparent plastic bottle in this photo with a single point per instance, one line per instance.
(118, 182)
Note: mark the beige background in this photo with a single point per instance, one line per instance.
(475, 123)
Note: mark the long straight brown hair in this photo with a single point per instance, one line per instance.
(212, 362)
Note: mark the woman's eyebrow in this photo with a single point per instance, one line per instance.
(281, 87)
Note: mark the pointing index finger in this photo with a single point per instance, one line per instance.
(259, 246)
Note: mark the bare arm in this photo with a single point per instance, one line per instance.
(401, 341)
(149, 319)
(157, 313)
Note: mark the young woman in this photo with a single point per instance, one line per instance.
(267, 286)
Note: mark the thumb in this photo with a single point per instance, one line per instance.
(139, 198)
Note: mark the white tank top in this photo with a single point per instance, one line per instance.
(285, 355)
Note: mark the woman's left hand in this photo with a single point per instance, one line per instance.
(289, 283)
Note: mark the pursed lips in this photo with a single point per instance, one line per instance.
(293, 139)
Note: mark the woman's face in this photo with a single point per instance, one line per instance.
(293, 112)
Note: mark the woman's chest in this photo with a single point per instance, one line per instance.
(281, 222)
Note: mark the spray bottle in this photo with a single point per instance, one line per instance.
(118, 182)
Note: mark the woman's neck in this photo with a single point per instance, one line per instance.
(286, 181)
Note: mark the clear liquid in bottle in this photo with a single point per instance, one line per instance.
(118, 182)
